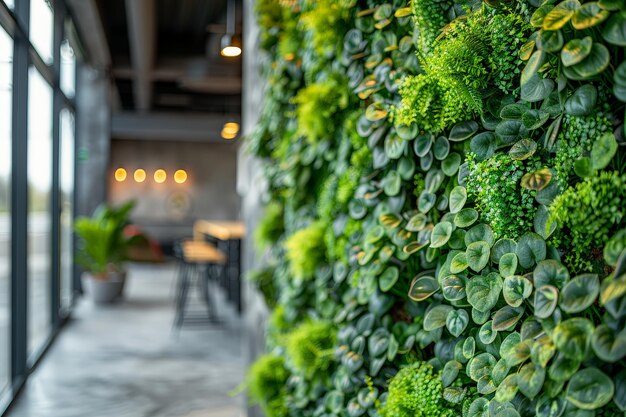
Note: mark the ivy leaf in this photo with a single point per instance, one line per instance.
(576, 50)
(590, 389)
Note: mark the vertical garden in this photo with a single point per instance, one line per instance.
(444, 229)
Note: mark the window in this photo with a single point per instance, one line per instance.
(6, 74)
(10, 4)
(39, 210)
(68, 69)
(66, 189)
(41, 24)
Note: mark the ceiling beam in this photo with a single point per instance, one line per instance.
(190, 127)
(141, 15)
(89, 26)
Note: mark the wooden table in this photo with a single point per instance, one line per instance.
(227, 235)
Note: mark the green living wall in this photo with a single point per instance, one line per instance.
(445, 224)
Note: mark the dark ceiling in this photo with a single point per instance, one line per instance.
(166, 57)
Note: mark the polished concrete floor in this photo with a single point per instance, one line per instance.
(125, 360)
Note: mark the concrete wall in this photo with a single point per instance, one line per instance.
(167, 210)
(250, 185)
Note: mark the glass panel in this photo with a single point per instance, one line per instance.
(6, 74)
(10, 4)
(41, 23)
(66, 183)
(39, 225)
(68, 69)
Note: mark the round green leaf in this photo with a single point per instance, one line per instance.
(465, 218)
(560, 15)
(450, 372)
(531, 248)
(588, 15)
(407, 132)
(479, 233)
(516, 289)
(422, 144)
(441, 234)
(542, 351)
(607, 345)
(536, 88)
(436, 317)
(546, 299)
(562, 368)
(441, 148)
(478, 255)
(453, 288)
(506, 317)
(572, 337)
(388, 278)
(593, 64)
(508, 264)
(615, 29)
(480, 365)
(394, 146)
(483, 291)
(576, 50)
(458, 197)
(502, 247)
(603, 150)
(550, 272)
(537, 180)
(508, 347)
(422, 288)
(536, 20)
(459, 263)
(507, 389)
(620, 390)
(550, 407)
(479, 408)
(550, 40)
(579, 293)
(392, 183)
(583, 101)
(486, 334)
(450, 165)
(589, 389)
(484, 145)
(523, 149)
(457, 321)
(462, 131)
(530, 379)
(509, 131)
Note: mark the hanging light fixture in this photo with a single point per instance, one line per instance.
(231, 43)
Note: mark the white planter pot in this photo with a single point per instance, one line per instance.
(104, 291)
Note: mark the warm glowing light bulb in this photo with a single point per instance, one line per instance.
(230, 130)
(140, 175)
(120, 175)
(160, 176)
(180, 176)
(231, 51)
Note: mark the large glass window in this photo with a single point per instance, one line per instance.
(39, 215)
(66, 182)
(68, 69)
(6, 75)
(41, 24)
(10, 3)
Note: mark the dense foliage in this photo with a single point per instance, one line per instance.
(445, 233)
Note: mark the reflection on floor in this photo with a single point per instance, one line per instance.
(126, 361)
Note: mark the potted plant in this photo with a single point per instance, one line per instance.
(102, 251)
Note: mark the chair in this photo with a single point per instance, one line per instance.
(198, 261)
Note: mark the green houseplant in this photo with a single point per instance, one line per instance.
(102, 251)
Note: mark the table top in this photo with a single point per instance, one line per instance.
(220, 229)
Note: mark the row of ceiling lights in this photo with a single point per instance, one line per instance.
(160, 176)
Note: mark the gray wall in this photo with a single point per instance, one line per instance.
(250, 185)
(167, 211)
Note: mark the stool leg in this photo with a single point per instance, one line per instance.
(183, 292)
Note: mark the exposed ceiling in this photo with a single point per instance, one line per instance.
(164, 55)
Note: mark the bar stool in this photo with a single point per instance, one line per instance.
(198, 261)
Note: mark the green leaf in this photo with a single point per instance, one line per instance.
(620, 390)
(583, 101)
(546, 299)
(531, 248)
(390, 220)
(541, 223)
(441, 234)
(562, 368)
(422, 144)
(550, 407)
(459, 263)
(542, 351)
(508, 264)
(486, 334)
(590, 389)
(560, 15)
(583, 167)
(465, 218)
(458, 197)
(589, 15)
(593, 64)
(413, 247)
(394, 146)
(509, 131)
(550, 40)
(615, 29)
(392, 183)
(450, 165)
(536, 60)
(607, 345)
(579, 293)
(530, 379)
(479, 233)
(483, 291)
(450, 372)
(478, 255)
(506, 317)
(500, 371)
(436, 317)
(422, 288)
(480, 365)
(426, 201)
(537, 180)
(501, 248)
(469, 347)
(523, 149)
(457, 321)
(417, 223)
(572, 337)
(484, 145)
(480, 317)
(462, 131)
(603, 150)
(516, 289)
(507, 389)
(479, 408)
(513, 111)
(375, 112)
(388, 278)
(406, 168)
(550, 272)
(536, 20)
(576, 50)
(407, 132)
(441, 148)
(453, 288)
(508, 349)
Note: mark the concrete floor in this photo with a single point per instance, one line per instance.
(125, 360)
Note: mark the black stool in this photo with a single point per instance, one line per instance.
(194, 258)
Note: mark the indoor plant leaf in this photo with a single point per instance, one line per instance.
(582, 102)
(478, 255)
(506, 317)
(457, 198)
(550, 272)
(614, 30)
(422, 288)
(531, 248)
(537, 180)
(465, 217)
(607, 345)
(546, 299)
(576, 50)
(530, 379)
(523, 149)
(483, 291)
(436, 317)
(457, 321)
(588, 15)
(603, 150)
(388, 278)
(579, 293)
(572, 337)
(441, 234)
(508, 264)
(516, 289)
(589, 389)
